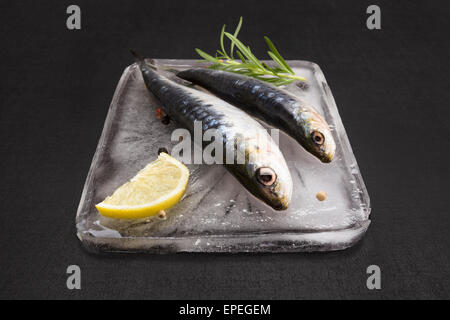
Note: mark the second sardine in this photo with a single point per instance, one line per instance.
(275, 106)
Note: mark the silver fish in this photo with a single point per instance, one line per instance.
(276, 106)
(263, 171)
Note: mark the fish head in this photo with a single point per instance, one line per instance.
(316, 134)
(266, 173)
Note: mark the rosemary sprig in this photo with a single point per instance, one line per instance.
(249, 65)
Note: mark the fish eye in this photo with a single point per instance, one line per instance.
(318, 138)
(266, 176)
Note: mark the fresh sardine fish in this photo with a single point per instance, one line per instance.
(263, 171)
(275, 106)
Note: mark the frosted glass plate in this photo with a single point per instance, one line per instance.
(217, 214)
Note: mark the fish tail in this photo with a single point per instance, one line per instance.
(142, 61)
(136, 55)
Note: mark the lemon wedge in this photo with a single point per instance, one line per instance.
(159, 186)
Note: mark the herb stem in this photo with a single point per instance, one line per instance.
(280, 74)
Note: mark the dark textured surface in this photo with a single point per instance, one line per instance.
(391, 87)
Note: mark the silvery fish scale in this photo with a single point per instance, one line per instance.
(217, 214)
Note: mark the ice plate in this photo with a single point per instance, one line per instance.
(217, 214)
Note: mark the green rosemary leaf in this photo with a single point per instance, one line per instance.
(278, 62)
(272, 80)
(220, 52)
(242, 71)
(274, 70)
(206, 56)
(283, 82)
(236, 32)
(221, 41)
(239, 66)
(277, 54)
(278, 70)
(241, 56)
(245, 51)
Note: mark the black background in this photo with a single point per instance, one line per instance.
(391, 87)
